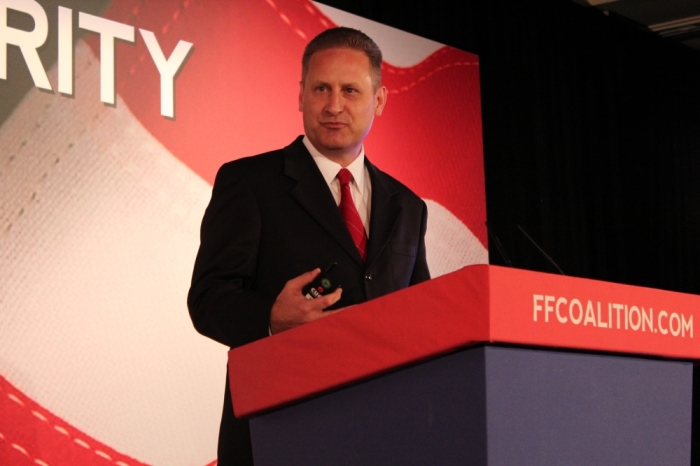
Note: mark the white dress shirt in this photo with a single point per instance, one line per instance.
(360, 186)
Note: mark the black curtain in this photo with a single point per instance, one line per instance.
(591, 137)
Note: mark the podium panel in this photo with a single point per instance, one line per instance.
(493, 405)
(477, 304)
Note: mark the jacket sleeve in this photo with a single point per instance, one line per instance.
(420, 269)
(221, 303)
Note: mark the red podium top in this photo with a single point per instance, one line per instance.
(480, 303)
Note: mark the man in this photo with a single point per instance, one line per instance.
(274, 219)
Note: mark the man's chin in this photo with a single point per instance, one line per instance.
(333, 145)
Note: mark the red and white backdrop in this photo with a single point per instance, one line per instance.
(100, 207)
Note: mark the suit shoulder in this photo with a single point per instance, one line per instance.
(245, 176)
(252, 165)
(398, 187)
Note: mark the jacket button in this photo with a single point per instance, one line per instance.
(368, 276)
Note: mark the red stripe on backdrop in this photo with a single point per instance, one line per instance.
(237, 96)
(430, 135)
(29, 434)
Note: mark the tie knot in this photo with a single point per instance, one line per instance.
(344, 176)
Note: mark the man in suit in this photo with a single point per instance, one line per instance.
(274, 219)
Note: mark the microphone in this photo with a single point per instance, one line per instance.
(541, 250)
(499, 246)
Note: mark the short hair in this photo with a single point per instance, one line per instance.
(344, 37)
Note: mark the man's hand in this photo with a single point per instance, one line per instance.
(292, 309)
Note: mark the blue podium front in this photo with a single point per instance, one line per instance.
(493, 405)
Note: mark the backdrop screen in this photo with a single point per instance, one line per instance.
(107, 155)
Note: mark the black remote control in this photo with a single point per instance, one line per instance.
(321, 285)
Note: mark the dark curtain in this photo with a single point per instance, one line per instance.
(591, 137)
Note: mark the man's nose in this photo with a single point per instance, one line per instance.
(335, 103)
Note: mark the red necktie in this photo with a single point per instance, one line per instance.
(350, 214)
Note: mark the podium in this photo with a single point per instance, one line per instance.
(483, 366)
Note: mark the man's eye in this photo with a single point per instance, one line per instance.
(350, 90)
(321, 88)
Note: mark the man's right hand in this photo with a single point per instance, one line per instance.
(292, 309)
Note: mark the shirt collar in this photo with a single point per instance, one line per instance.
(329, 169)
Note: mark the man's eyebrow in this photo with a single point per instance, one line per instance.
(319, 82)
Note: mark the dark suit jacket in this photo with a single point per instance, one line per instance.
(271, 218)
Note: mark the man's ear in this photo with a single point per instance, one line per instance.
(301, 95)
(380, 100)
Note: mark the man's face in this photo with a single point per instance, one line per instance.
(339, 102)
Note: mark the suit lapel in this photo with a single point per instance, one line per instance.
(385, 214)
(312, 193)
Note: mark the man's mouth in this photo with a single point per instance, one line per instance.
(333, 125)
